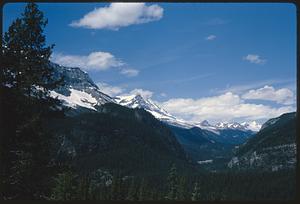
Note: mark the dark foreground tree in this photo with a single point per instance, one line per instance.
(196, 195)
(65, 187)
(26, 78)
(172, 193)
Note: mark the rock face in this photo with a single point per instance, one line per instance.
(272, 148)
(78, 90)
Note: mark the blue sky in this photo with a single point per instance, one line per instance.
(182, 54)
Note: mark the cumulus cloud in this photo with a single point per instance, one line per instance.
(129, 72)
(144, 93)
(93, 61)
(98, 61)
(118, 15)
(110, 90)
(211, 37)
(225, 107)
(282, 96)
(256, 59)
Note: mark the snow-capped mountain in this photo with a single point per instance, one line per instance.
(137, 101)
(253, 125)
(78, 90)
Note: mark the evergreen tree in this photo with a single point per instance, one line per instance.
(65, 187)
(142, 194)
(26, 78)
(196, 195)
(116, 187)
(25, 55)
(182, 188)
(132, 191)
(83, 191)
(172, 193)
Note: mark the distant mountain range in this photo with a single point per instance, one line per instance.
(137, 101)
(80, 91)
(201, 141)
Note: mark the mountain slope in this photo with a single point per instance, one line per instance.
(201, 141)
(272, 148)
(78, 90)
(117, 138)
(98, 133)
(137, 101)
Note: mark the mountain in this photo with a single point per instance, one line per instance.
(201, 141)
(98, 133)
(117, 138)
(137, 101)
(272, 148)
(78, 90)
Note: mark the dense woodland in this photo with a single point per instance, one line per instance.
(29, 169)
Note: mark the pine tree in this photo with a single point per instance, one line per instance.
(196, 194)
(25, 146)
(142, 194)
(182, 191)
(116, 187)
(83, 190)
(65, 187)
(172, 193)
(132, 191)
(26, 56)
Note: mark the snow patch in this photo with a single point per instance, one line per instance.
(76, 98)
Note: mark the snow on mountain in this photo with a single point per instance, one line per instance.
(137, 101)
(253, 125)
(207, 126)
(76, 98)
(78, 90)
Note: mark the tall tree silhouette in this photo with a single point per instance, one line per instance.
(172, 193)
(26, 78)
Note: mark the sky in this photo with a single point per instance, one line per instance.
(213, 61)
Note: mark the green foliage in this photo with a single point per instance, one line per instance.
(182, 188)
(172, 193)
(132, 191)
(196, 195)
(25, 147)
(142, 194)
(65, 187)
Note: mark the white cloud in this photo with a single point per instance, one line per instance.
(110, 90)
(256, 59)
(211, 37)
(118, 15)
(129, 72)
(225, 107)
(94, 61)
(144, 93)
(240, 89)
(282, 96)
(163, 94)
